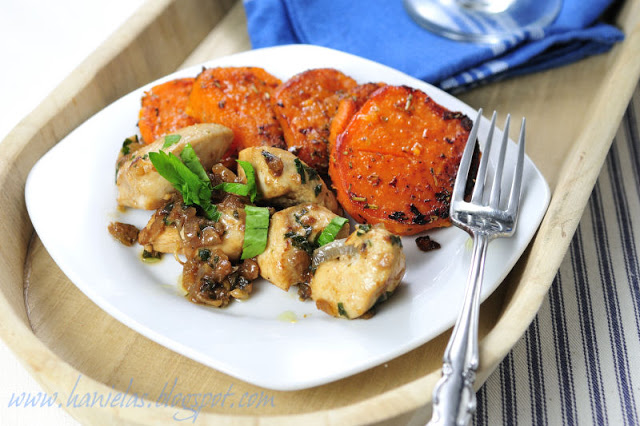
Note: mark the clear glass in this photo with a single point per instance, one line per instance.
(487, 21)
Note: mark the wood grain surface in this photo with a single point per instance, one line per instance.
(70, 345)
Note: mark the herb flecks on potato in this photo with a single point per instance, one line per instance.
(305, 105)
(163, 109)
(239, 98)
(396, 161)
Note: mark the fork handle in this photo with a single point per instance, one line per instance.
(454, 399)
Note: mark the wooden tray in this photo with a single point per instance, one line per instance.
(73, 348)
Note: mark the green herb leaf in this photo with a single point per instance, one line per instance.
(170, 140)
(125, 146)
(396, 240)
(329, 233)
(302, 242)
(300, 170)
(341, 311)
(256, 229)
(192, 185)
(126, 149)
(305, 172)
(245, 189)
(204, 254)
(363, 229)
(211, 212)
(151, 256)
(311, 172)
(191, 160)
(251, 179)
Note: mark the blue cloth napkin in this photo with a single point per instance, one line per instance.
(381, 30)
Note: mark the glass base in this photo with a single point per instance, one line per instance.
(486, 21)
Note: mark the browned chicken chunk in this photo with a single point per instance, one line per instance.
(141, 186)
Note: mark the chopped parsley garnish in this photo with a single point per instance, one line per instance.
(125, 146)
(329, 233)
(298, 216)
(341, 310)
(301, 242)
(395, 240)
(170, 140)
(305, 171)
(256, 230)
(312, 174)
(204, 254)
(245, 189)
(363, 229)
(188, 177)
(151, 256)
(300, 170)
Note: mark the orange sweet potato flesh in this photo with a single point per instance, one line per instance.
(396, 161)
(239, 98)
(163, 109)
(305, 105)
(347, 108)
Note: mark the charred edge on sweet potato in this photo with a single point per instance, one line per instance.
(397, 159)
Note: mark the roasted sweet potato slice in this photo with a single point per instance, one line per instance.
(238, 98)
(347, 108)
(305, 105)
(163, 109)
(396, 161)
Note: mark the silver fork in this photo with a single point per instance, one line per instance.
(484, 217)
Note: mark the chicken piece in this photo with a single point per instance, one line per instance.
(165, 241)
(350, 285)
(284, 180)
(232, 219)
(176, 228)
(286, 260)
(141, 186)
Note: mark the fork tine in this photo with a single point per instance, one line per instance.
(481, 176)
(494, 202)
(465, 162)
(514, 196)
(453, 395)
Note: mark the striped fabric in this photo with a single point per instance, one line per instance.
(579, 362)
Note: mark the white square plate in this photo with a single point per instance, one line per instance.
(255, 340)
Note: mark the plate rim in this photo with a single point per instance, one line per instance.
(138, 327)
